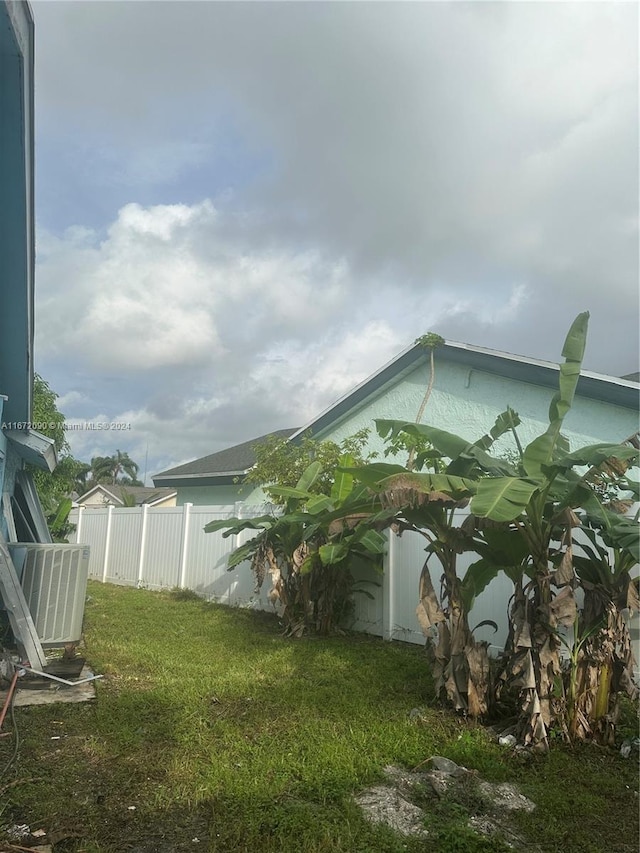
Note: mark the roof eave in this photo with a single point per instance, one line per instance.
(35, 448)
(225, 478)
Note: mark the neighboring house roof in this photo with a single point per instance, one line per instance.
(220, 468)
(114, 494)
(609, 389)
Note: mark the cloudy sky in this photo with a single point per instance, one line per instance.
(244, 209)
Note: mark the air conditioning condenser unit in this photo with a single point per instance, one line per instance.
(54, 580)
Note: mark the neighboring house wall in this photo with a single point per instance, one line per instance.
(467, 401)
(219, 495)
(96, 499)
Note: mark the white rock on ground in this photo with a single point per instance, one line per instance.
(384, 804)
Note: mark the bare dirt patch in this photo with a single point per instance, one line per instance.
(404, 802)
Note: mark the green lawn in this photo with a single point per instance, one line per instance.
(216, 728)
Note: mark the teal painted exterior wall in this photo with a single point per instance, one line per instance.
(219, 495)
(17, 235)
(3, 454)
(467, 402)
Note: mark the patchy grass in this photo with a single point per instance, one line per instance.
(215, 728)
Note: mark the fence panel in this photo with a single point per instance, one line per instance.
(491, 604)
(162, 564)
(93, 532)
(124, 546)
(206, 566)
(409, 557)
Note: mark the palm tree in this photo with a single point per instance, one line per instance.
(114, 469)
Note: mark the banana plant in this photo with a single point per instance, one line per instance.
(58, 521)
(426, 502)
(535, 500)
(604, 666)
(310, 548)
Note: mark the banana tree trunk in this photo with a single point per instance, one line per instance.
(460, 665)
(521, 668)
(604, 670)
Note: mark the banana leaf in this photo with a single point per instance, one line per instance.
(596, 454)
(309, 476)
(502, 498)
(542, 450)
(477, 577)
(343, 480)
(373, 473)
(236, 525)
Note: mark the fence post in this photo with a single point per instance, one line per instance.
(143, 543)
(388, 587)
(185, 544)
(79, 525)
(234, 540)
(107, 543)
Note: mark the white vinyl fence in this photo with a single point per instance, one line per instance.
(166, 548)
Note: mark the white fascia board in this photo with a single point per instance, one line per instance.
(34, 447)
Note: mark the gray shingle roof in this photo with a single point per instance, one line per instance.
(232, 460)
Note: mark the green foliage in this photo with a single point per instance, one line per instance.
(52, 487)
(444, 450)
(58, 521)
(543, 449)
(527, 501)
(281, 462)
(502, 499)
(128, 500)
(309, 548)
(45, 411)
(429, 341)
(425, 502)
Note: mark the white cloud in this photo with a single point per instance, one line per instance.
(71, 398)
(470, 169)
(165, 288)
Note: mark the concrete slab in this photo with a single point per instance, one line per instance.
(52, 692)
